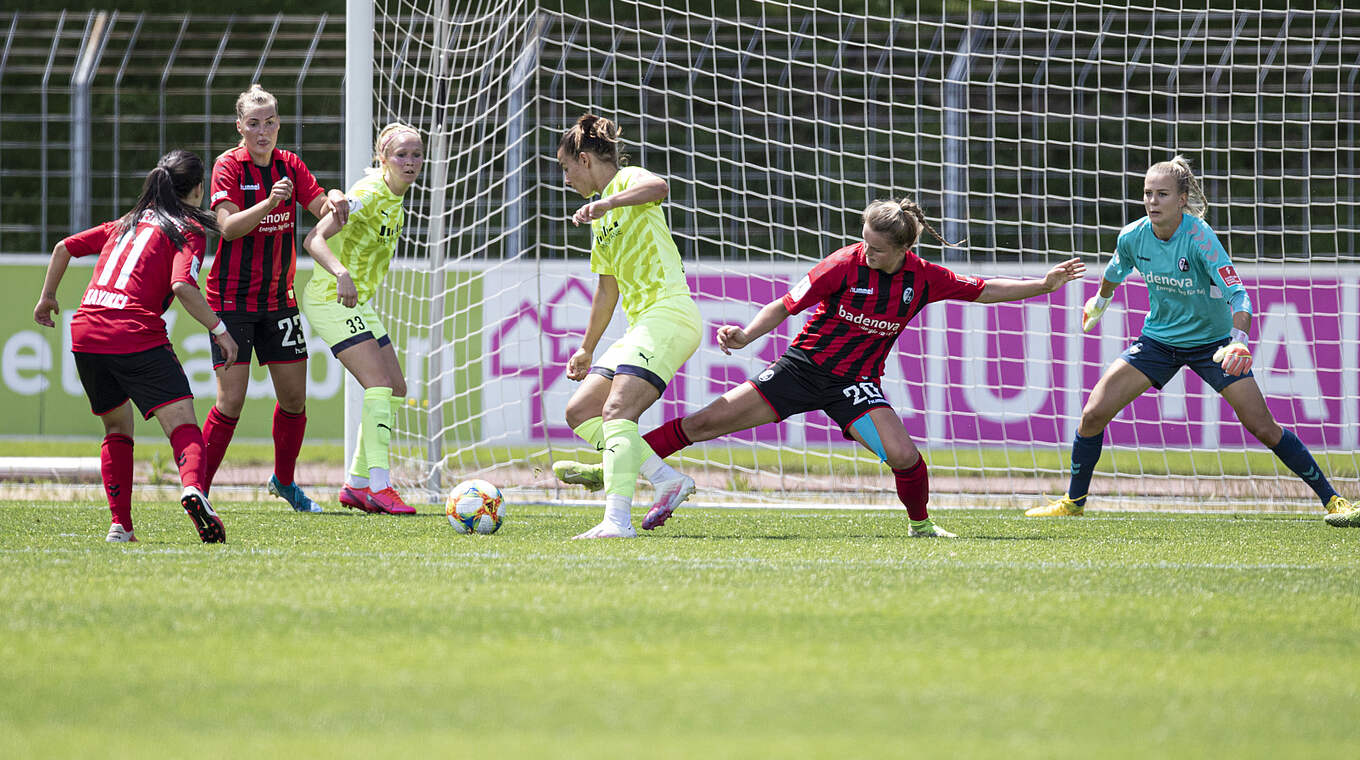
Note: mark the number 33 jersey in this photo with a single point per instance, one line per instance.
(121, 310)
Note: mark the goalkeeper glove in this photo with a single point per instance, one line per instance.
(1235, 358)
(1092, 311)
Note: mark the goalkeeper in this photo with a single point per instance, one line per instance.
(1199, 317)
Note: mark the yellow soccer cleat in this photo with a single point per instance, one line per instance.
(1063, 507)
(579, 473)
(1342, 514)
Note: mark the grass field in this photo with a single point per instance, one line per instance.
(727, 634)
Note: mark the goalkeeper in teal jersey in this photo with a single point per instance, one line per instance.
(354, 258)
(1199, 317)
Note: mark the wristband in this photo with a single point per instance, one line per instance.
(219, 329)
(1238, 336)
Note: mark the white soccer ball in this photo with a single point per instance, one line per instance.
(475, 506)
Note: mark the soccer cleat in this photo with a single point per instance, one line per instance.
(669, 495)
(292, 494)
(928, 529)
(355, 497)
(1063, 507)
(389, 501)
(1347, 517)
(579, 474)
(607, 529)
(119, 536)
(206, 521)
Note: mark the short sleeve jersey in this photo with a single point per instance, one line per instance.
(121, 310)
(1190, 280)
(861, 311)
(254, 273)
(634, 244)
(367, 241)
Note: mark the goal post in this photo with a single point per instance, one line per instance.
(1023, 129)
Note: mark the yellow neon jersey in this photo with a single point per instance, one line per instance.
(633, 244)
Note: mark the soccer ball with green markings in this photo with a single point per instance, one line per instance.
(475, 506)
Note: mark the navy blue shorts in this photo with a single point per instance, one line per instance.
(1161, 362)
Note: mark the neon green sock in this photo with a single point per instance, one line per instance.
(592, 432)
(358, 465)
(623, 448)
(377, 427)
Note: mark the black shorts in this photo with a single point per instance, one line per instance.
(151, 378)
(274, 336)
(795, 386)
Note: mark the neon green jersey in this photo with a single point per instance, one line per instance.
(633, 244)
(366, 242)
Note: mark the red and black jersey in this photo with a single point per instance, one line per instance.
(861, 311)
(254, 273)
(121, 310)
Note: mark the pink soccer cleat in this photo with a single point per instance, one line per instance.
(389, 501)
(669, 495)
(355, 498)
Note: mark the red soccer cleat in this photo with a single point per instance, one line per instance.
(355, 498)
(389, 501)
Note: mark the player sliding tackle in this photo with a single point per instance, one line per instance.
(1200, 316)
(864, 294)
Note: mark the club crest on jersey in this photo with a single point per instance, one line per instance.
(1183, 264)
(766, 375)
(1229, 275)
(908, 294)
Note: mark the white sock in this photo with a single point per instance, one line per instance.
(356, 481)
(618, 509)
(378, 477)
(655, 470)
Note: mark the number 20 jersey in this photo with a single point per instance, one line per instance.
(861, 311)
(121, 310)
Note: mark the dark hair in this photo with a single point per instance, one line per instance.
(597, 135)
(175, 176)
(902, 221)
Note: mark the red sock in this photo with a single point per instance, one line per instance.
(186, 441)
(668, 439)
(913, 488)
(218, 429)
(115, 465)
(288, 431)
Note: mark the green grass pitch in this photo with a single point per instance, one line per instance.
(726, 634)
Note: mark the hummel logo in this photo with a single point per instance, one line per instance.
(179, 460)
(113, 489)
(645, 357)
(1312, 474)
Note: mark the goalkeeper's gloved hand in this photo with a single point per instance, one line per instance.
(1235, 358)
(1092, 311)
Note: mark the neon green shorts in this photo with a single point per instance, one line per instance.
(653, 349)
(340, 326)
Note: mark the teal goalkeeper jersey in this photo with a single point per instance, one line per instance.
(1190, 281)
(366, 243)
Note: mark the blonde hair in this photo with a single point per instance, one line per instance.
(1178, 168)
(255, 97)
(387, 137)
(902, 221)
(597, 135)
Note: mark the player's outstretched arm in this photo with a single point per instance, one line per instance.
(197, 306)
(731, 337)
(47, 299)
(1001, 289)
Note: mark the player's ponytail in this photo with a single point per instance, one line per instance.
(901, 220)
(597, 135)
(1179, 169)
(163, 196)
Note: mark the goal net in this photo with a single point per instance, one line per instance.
(1023, 129)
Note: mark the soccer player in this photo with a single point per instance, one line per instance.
(122, 351)
(256, 191)
(636, 262)
(354, 258)
(865, 294)
(1199, 317)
